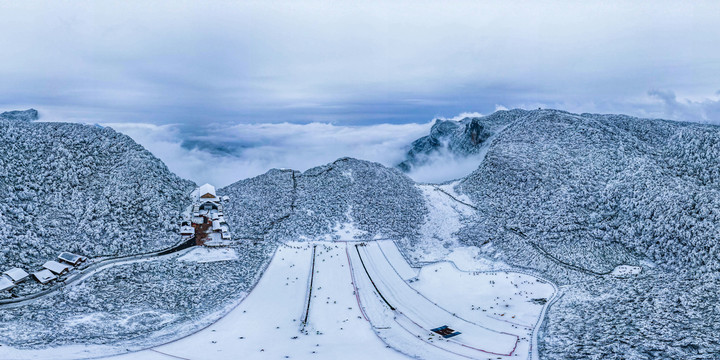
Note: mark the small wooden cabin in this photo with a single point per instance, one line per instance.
(6, 283)
(17, 275)
(44, 276)
(71, 258)
(56, 267)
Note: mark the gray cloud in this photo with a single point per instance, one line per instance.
(241, 151)
(199, 81)
(705, 110)
(347, 62)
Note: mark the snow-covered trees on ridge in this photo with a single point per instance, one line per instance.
(84, 189)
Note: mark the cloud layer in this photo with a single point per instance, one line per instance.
(350, 62)
(247, 86)
(224, 156)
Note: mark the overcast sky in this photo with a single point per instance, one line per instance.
(192, 67)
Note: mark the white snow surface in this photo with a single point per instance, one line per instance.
(624, 270)
(365, 302)
(403, 316)
(443, 221)
(205, 254)
(268, 323)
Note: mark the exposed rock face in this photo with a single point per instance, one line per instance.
(20, 115)
(458, 138)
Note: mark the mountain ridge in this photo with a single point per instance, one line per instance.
(84, 189)
(567, 196)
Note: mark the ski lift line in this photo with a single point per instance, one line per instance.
(437, 188)
(352, 277)
(310, 287)
(371, 280)
(511, 322)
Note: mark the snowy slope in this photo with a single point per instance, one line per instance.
(374, 200)
(83, 189)
(345, 318)
(568, 197)
(573, 196)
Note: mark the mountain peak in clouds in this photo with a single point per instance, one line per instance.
(458, 138)
(20, 115)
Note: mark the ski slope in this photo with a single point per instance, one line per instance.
(355, 300)
(268, 323)
(397, 309)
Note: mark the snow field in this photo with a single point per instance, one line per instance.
(205, 254)
(500, 300)
(416, 314)
(267, 324)
(443, 220)
(349, 319)
(624, 270)
(362, 305)
(393, 255)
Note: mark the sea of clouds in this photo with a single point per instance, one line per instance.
(223, 155)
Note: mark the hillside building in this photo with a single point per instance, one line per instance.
(17, 275)
(204, 220)
(44, 276)
(71, 258)
(208, 206)
(6, 283)
(56, 267)
(187, 230)
(206, 191)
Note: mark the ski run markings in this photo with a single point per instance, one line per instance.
(353, 300)
(341, 314)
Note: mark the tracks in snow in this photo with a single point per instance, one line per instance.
(412, 315)
(309, 292)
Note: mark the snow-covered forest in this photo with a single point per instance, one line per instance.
(574, 196)
(569, 197)
(83, 189)
(286, 205)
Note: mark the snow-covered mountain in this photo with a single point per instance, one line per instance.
(569, 197)
(344, 200)
(573, 196)
(463, 138)
(84, 189)
(20, 115)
